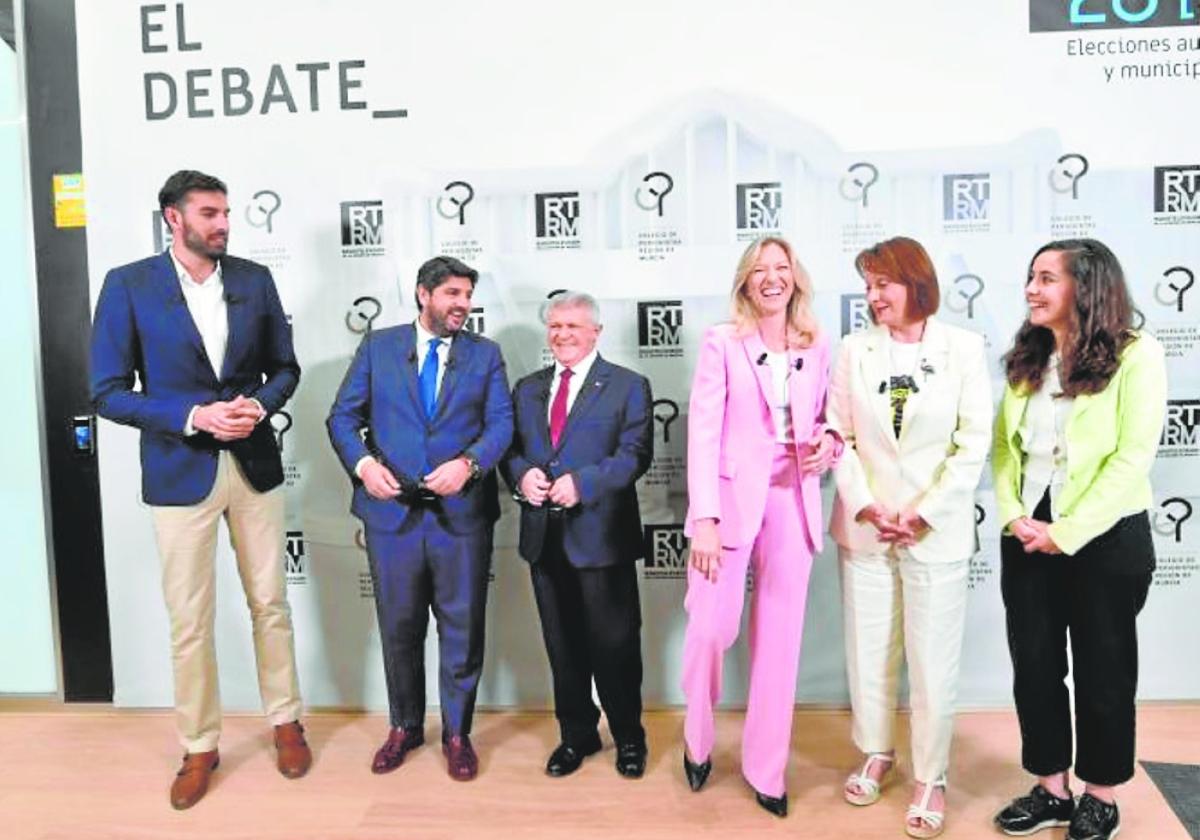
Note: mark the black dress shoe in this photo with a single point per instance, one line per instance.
(697, 774)
(631, 759)
(777, 805)
(566, 758)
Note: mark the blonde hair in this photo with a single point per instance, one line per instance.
(802, 328)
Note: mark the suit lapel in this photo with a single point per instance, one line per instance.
(756, 352)
(540, 397)
(406, 361)
(459, 356)
(593, 384)
(875, 369)
(238, 317)
(167, 282)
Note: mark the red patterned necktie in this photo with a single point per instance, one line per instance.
(558, 410)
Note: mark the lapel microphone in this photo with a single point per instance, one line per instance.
(798, 364)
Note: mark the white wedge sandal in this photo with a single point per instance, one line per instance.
(868, 789)
(932, 822)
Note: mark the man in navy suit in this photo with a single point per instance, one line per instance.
(419, 422)
(205, 336)
(584, 435)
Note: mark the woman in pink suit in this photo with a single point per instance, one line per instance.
(757, 445)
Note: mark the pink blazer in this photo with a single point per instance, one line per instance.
(731, 436)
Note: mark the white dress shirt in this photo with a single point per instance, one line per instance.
(781, 409)
(206, 304)
(579, 372)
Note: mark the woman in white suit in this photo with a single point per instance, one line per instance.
(912, 401)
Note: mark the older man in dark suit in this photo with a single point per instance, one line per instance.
(583, 438)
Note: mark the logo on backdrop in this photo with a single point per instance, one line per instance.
(1060, 16)
(760, 207)
(362, 228)
(1179, 435)
(1176, 281)
(294, 560)
(980, 514)
(668, 415)
(653, 191)
(557, 215)
(263, 205)
(857, 182)
(1169, 517)
(361, 315)
(452, 203)
(162, 232)
(966, 197)
(281, 422)
(1177, 194)
(967, 287)
(1065, 177)
(660, 329)
(665, 549)
(475, 322)
(856, 314)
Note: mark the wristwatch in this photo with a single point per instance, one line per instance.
(472, 465)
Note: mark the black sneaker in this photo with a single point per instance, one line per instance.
(1094, 820)
(1040, 809)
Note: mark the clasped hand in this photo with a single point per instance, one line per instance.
(536, 487)
(1034, 535)
(447, 479)
(228, 420)
(903, 528)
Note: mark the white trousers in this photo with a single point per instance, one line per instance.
(187, 540)
(896, 606)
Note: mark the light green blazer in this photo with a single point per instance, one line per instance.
(1112, 438)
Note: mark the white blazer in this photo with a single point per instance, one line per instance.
(944, 439)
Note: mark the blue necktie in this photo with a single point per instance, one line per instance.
(428, 378)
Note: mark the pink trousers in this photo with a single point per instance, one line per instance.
(781, 557)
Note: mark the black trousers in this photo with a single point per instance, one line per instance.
(591, 624)
(1094, 598)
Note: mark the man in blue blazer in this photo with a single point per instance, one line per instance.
(584, 435)
(192, 347)
(421, 418)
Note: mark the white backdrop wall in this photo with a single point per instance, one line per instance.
(630, 153)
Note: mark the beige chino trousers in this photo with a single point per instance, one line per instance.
(187, 539)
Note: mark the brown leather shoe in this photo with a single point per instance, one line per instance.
(191, 782)
(461, 762)
(293, 757)
(399, 743)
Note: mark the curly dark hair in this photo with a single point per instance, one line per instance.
(1100, 329)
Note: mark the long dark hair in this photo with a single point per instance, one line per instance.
(1100, 327)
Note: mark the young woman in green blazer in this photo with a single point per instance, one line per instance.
(1075, 439)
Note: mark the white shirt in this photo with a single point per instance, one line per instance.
(781, 410)
(579, 372)
(1043, 434)
(206, 304)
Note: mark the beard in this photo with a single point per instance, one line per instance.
(212, 249)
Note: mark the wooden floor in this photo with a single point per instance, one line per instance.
(103, 775)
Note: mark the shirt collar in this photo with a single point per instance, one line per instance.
(212, 281)
(424, 336)
(580, 368)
